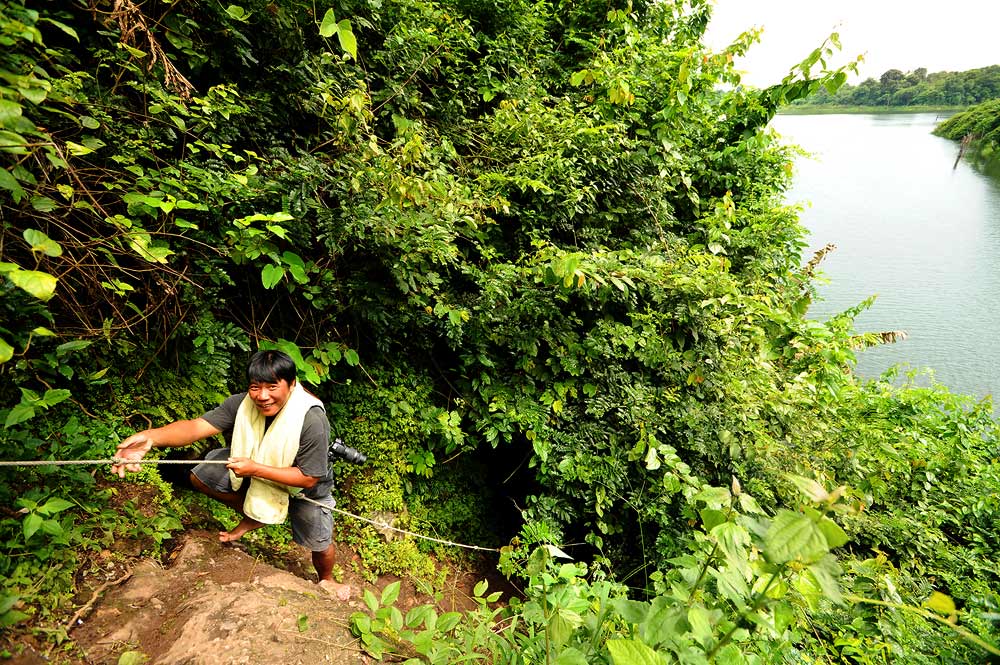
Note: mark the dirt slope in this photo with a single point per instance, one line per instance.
(216, 604)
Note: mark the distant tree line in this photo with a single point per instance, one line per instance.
(916, 88)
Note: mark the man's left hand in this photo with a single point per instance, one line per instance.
(242, 466)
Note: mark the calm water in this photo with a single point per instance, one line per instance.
(921, 236)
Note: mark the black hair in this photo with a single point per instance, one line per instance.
(270, 367)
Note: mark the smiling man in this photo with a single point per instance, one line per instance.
(277, 438)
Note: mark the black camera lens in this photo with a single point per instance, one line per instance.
(338, 449)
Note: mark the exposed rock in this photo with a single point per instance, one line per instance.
(216, 605)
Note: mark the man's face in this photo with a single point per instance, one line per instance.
(270, 396)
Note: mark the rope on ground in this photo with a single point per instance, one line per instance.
(117, 461)
(383, 525)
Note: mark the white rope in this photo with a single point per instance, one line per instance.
(383, 525)
(113, 460)
(118, 461)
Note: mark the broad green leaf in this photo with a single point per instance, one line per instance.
(632, 652)
(89, 123)
(826, 571)
(329, 24)
(370, 600)
(13, 142)
(42, 285)
(346, 37)
(652, 460)
(39, 241)
(562, 624)
(6, 351)
(78, 150)
(72, 345)
(293, 259)
(734, 541)
(712, 518)
(448, 620)
(32, 522)
(18, 414)
(62, 26)
(142, 245)
(9, 110)
(810, 488)
(730, 655)
(55, 395)
(43, 204)
(52, 527)
(701, 624)
(835, 536)
(54, 505)
(10, 183)
(271, 275)
(570, 656)
(351, 356)
(277, 230)
(42, 331)
(35, 93)
(390, 593)
(299, 274)
(794, 536)
(237, 12)
(631, 611)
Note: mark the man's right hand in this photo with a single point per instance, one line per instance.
(133, 448)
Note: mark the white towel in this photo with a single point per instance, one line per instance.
(267, 501)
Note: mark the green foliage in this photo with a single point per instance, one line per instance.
(978, 128)
(748, 590)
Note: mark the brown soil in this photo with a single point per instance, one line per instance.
(211, 603)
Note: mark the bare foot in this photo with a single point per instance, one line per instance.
(341, 591)
(246, 524)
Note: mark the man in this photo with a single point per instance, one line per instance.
(278, 436)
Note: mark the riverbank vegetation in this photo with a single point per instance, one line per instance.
(978, 128)
(540, 271)
(895, 88)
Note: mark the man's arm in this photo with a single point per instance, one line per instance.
(289, 475)
(176, 434)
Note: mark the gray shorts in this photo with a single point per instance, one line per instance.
(312, 525)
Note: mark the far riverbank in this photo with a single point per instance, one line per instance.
(826, 109)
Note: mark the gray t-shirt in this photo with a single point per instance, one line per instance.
(312, 458)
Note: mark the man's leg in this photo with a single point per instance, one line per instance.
(312, 528)
(323, 563)
(213, 480)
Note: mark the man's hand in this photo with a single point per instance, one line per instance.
(133, 448)
(243, 466)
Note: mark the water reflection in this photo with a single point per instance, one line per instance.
(922, 235)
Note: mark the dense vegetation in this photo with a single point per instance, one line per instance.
(979, 130)
(508, 242)
(916, 88)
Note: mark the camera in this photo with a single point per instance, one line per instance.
(338, 449)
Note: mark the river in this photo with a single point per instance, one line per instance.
(921, 235)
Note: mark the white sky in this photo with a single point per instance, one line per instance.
(892, 34)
